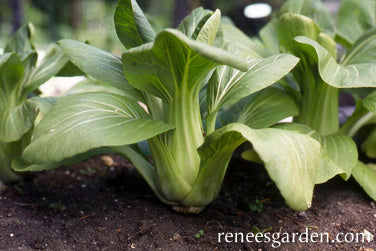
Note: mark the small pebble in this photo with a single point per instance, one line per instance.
(108, 160)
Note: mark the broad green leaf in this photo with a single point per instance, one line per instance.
(50, 65)
(290, 26)
(229, 85)
(99, 64)
(290, 158)
(82, 122)
(16, 121)
(363, 50)
(93, 85)
(247, 47)
(269, 37)
(339, 155)
(173, 62)
(132, 27)
(261, 110)
(365, 175)
(355, 18)
(348, 76)
(11, 76)
(21, 42)
(192, 24)
(313, 9)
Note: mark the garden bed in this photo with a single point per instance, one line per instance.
(91, 206)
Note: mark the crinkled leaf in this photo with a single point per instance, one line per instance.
(192, 24)
(290, 158)
(208, 31)
(82, 122)
(334, 74)
(229, 85)
(174, 61)
(365, 175)
(261, 110)
(99, 64)
(354, 18)
(132, 27)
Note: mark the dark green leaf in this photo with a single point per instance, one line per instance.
(132, 27)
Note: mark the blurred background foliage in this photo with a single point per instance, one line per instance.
(92, 20)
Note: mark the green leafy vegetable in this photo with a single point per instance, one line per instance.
(171, 71)
(20, 77)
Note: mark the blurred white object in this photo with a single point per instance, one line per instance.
(57, 85)
(257, 10)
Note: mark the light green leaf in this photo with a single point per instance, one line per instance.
(348, 76)
(339, 155)
(174, 62)
(229, 85)
(247, 47)
(355, 18)
(290, 26)
(363, 50)
(99, 64)
(82, 122)
(16, 121)
(261, 110)
(132, 27)
(50, 65)
(208, 31)
(365, 175)
(313, 9)
(290, 158)
(93, 85)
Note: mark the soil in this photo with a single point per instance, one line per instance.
(90, 206)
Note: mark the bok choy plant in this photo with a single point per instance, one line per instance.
(20, 77)
(171, 73)
(306, 30)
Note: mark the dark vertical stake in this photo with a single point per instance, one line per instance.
(181, 9)
(17, 11)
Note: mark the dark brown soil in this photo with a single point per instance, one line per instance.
(93, 207)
